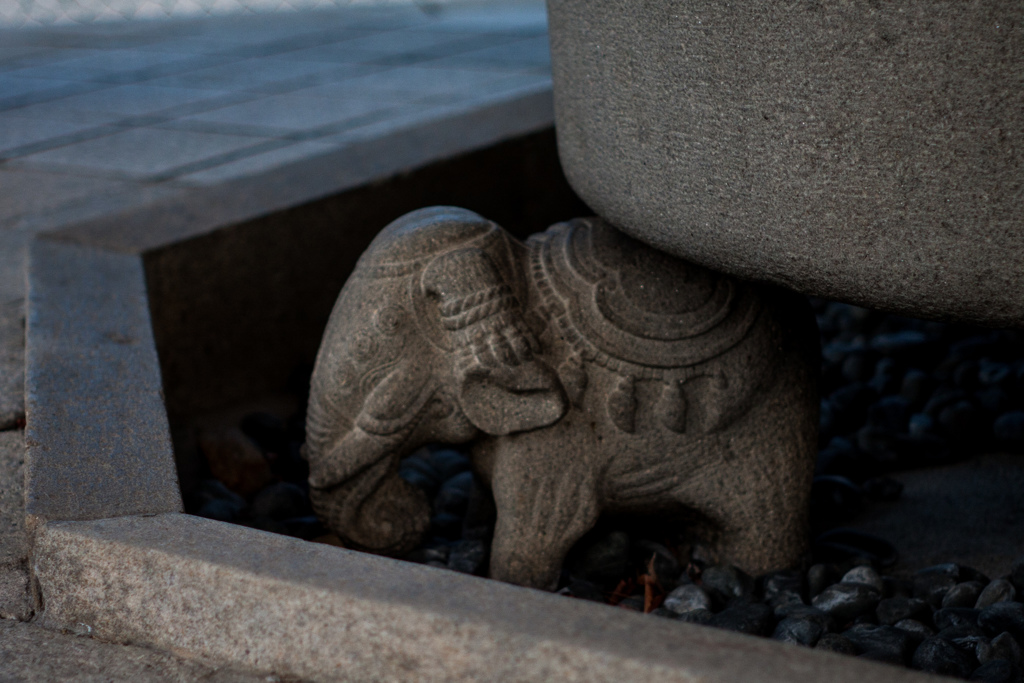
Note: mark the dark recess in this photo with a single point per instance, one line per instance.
(237, 310)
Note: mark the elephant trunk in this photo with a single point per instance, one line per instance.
(372, 508)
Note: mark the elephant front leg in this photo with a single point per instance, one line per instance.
(544, 506)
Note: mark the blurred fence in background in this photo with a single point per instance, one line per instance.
(27, 13)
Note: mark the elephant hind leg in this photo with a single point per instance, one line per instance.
(376, 511)
(542, 511)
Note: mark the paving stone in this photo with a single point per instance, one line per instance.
(12, 86)
(299, 110)
(530, 54)
(134, 99)
(257, 163)
(24, 192)
(29, 654)
(382, 44)
(17, 131)
(270, 74)
(140, 153)
(408, 82)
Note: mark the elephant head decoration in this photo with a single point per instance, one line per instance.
(590, 373)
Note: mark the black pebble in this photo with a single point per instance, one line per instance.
(942, 398)
(578, 588)
(783, 588)
(852, 547)
(453, 497)
(965, 635)
(724, 583)
(859, 366)
(604, 560)
(892, 610)
(963, 594)
(1008, 430)
(887, 377)
(666, 566)
(921, 424)
(426, 555)
(996, 671)
(900, 343)
(885, 489)
(1017, 575)
(962, 421)
(448, 463)
(1003, 616)
(846, 601)
(481, 514)
(834, 501)
(890, 413)
(697, 616)
(267, 431)
(940, 656)
(280, 501)
(833, 642)
(840, 457)
(993, 399)
(884, 643)
(428, 484)
(806, 613)
(634, 603)
(420, 473)
(955, 616)
(965, 376)
(754, 618)
(820, 577)
(850, 406)
(932, 583)
(798, 631)
(1005, 646)
(468, 556)
(916, 387)
(446, 525)
(916, 629)
(220, 509)
(307, 527)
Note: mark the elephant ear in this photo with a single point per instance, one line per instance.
(502, 387)
(503, 399)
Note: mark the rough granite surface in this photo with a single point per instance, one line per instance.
(15, 602)
(266, 601)
(29, 654)
(12, 356)
(860, 151)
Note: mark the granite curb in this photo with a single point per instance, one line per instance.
(266, 601)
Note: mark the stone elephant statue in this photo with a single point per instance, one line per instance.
(590, 373)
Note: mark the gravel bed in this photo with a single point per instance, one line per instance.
(897, 394)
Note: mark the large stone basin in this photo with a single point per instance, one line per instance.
(864, 150)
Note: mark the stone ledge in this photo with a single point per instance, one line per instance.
(97, 434)
(266, 601)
